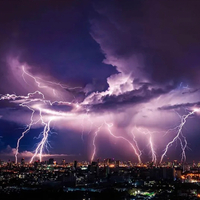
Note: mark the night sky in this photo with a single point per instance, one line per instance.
(115, 78)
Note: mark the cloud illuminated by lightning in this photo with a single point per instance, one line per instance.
(44, 111)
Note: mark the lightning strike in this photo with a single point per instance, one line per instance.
(24, 104)
(40, 147)
(179, 131)
(120, 137)
(136, 144)
(31, 99)
(26, 131)
(36, 101)
(93, 142)
(39, 83)
(153, 152)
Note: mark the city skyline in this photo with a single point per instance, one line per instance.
(97, 79)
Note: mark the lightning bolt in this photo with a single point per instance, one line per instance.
(94, 141)
(123, 138)
(136, 144)
(40, 147)
(183, 147)
(36, 101)
(151, 145)
(26, 131)
(39, 84)
(27, 100)
(178, 135)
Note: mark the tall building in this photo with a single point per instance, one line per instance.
(63, 162)
(107, 171)
(117, 163)
(108, 161)
(51, 161)
(94, 168)
(94, 163)
(22, 161)
(36, 164)
(75, 164)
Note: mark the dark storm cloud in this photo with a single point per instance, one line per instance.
(135, 97)
(53, 38)
(162, 35)
(177, 106)
(191, 91)
(7, 104)
(126, 60)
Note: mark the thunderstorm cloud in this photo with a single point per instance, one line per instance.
(120, 66)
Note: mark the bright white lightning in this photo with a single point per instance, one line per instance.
(26, 131)
(123, 138)
(39, 84)
(36, 104)
(24, 104)
(179, 131)
(93, 142)
(153, 152)
(27, 102)
(40, 147)
(136, 144)
(183, 147)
